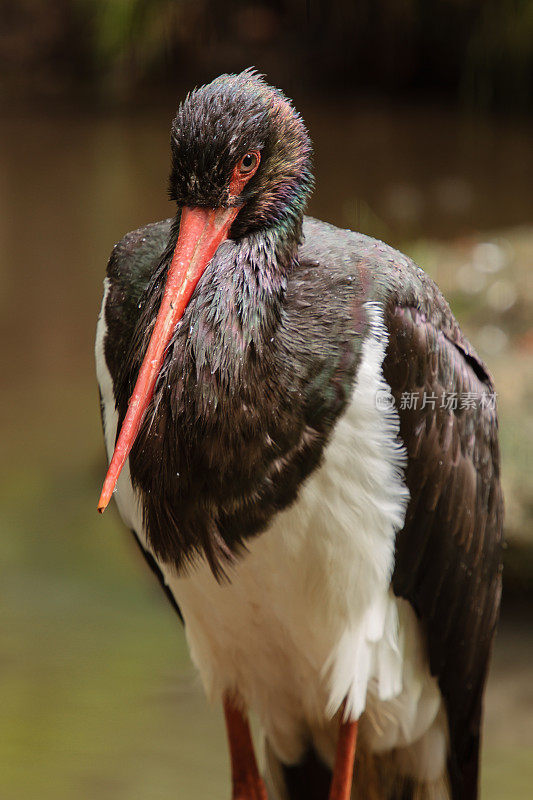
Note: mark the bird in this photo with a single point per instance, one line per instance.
(305, 447)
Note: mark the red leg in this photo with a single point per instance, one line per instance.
(246, 780)
(341, 784)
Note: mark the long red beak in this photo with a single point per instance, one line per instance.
(201, 231)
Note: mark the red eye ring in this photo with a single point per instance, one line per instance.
(244, 169)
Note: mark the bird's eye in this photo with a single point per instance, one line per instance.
(248, 163)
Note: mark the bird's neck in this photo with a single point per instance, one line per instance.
(236, 309)
(271, 254)
(262, 262)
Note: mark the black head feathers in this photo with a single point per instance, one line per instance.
(216, 125)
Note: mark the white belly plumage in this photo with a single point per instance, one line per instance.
(307, 618)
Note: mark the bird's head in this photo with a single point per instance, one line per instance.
(238, 143)
(241, 162)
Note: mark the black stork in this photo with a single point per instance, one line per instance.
(305, 446)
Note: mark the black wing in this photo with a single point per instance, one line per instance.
(448, 555)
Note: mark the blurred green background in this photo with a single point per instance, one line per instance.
(420, 114)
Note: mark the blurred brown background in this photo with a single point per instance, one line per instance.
(421, 116)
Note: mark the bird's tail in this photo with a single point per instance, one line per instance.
(375, 778)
